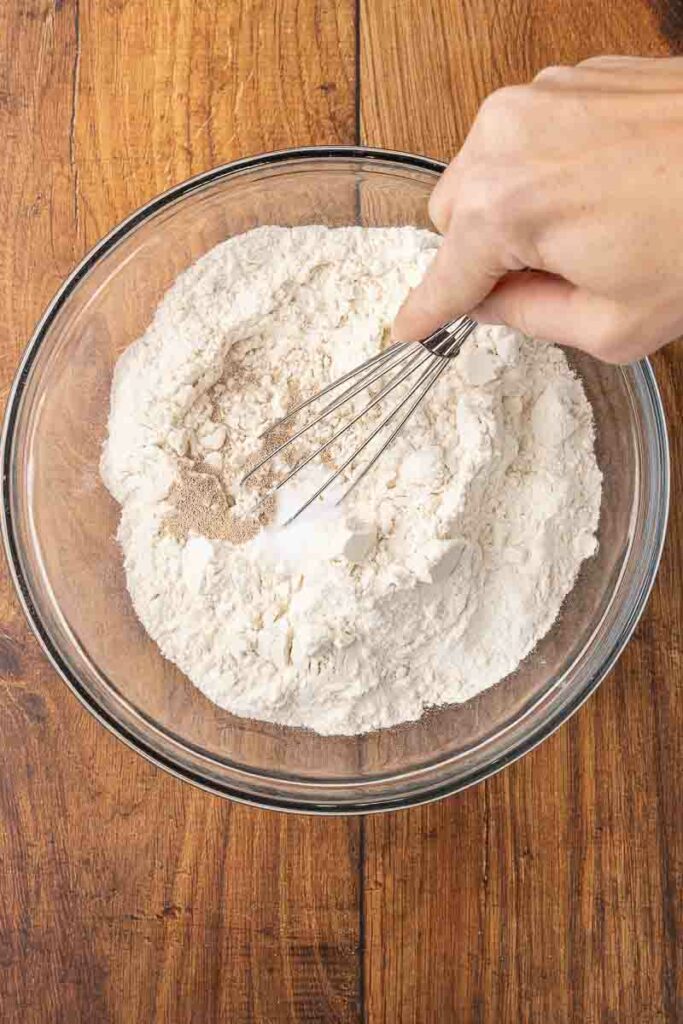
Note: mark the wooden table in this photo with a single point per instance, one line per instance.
(547, 894)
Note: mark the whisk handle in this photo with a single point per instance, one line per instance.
(458, 331)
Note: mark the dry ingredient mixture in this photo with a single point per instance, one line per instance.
(445, 567)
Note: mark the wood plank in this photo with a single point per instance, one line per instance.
(549, 892)
(425, 68)
(128, 895)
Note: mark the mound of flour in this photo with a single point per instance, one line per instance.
(445, 567)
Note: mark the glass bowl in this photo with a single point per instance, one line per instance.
(59, 522)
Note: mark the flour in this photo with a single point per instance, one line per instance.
(444, 568)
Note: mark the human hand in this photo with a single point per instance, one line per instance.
(577, 178)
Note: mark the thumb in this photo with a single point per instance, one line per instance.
(457, 279)
(546, 306)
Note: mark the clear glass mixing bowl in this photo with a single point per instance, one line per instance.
(59, 522)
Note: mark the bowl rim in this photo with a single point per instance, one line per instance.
(270, 799)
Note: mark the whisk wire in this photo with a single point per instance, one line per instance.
(393, 383)
(371, 377)
(369, 364)
(394, 434)
(332, 407)
(354, 455)
(402, 360)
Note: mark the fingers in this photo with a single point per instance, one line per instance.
(481, 204)
(551, 308)
(610, 74)
(458, 278)
(535, 162)
(441, 199)
(630, 63)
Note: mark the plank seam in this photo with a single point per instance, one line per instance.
(362, 1009)
(75, 78)
(357, 72)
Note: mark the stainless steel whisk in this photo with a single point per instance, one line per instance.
(403, 360)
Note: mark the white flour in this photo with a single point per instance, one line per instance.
(449, 562)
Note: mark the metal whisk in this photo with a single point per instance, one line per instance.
(428, 358)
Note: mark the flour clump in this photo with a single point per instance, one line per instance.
(447, 564)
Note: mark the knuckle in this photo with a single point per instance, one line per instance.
(611, 339)
(509, 120)
(438, 210)
(518, 316)
(503, 103)
(478, 200)
(555, 73)
(613, 356)
(490, 202)
(607, 60)
(441, 199)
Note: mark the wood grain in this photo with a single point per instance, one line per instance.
(425, 68)
(551, 892)
(127, 895)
